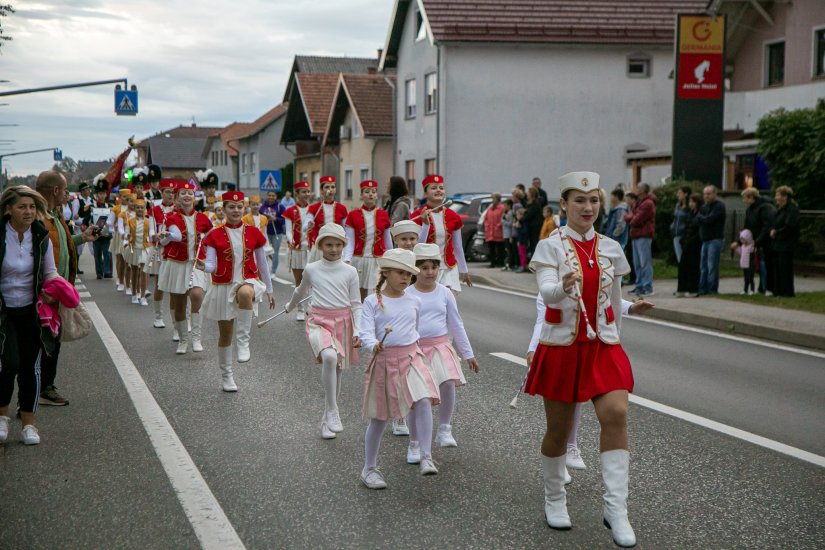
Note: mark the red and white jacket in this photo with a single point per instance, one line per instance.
(159, 214)
(295, 217)
(316, 213)
(219, 239)
(451, 222)
(178, 251)
(357, 224)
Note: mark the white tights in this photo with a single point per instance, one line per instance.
(330, 378)
(572, 439)
(420, 423)
(447, 405)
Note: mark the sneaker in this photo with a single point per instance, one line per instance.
(158, 323)
(568, 479)
(143, 302)
(300, 316)
(373, 479)
(646, 294)
(49, 396)
(175, 335)
(768, 293)
(30, 435)
(399, 427)
(413, 453)
(427, 466)
(4, 428)
(574, 459)
(120, 287)
(743, 293)
(128, 292)
(334, 422)
(444, 437)
(326, 433)
(273, 277)
(135, 300)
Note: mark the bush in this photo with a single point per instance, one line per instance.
(665, 204)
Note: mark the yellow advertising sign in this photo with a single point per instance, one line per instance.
(701, 34)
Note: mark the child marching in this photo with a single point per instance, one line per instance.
(116, 244)
(240, 276)
(325, 211)
(158, 218)
(297, 236)
(368, 236)
(397, 379)
(126, 214)
(438, 321)
(332, 326)
(256, 219)
(138, 236)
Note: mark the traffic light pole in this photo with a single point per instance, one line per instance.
(66, 86)
(2, 178)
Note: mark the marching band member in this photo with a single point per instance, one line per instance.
(153, 180)
(126, 213)
(256, 219)
(102, 207)
(445, 231)
(182, 245)
(297, 237)
(332, 326)
(368, 236)
(579, 276)
(116, 246)
(397, 380)
(209, 184)
(438, 321)
(240, 277)
(327, 210)
(138, 236)
(158, 218)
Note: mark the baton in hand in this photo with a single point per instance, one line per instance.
(265, 321)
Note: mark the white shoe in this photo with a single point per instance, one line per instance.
(225, 364)
(399, 427)
(568, 479)
(4, 428)
(444, 437)
(427, 466)
(333, 419)
(300, 316)
(574, 459)
(120, 287)
(273, 277)
(183, 342)
(616, 475)
(143, 302)
(196, 332)
(128, 292)
(768, 293)
(158, 323)
(243, 325)
(413, 453)
(135, 300)
(373, 479)
(555, 496)
(158, 307)
(30, 435)
(326, 433)
(175, 334)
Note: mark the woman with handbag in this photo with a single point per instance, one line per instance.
(26, 262)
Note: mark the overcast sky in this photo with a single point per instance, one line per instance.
(216, 62)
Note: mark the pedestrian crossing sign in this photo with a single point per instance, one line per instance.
(126, 102)
(270, 181)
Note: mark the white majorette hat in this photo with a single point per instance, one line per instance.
(426, 251)
(398, 258)
(331, 230)
(580, 181)
(404, 226)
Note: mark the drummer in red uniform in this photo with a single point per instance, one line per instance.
(579, 357)
(297, 237)
(368, 236)
(445, 231)
(327, 210)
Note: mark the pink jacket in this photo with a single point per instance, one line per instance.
(64, 292)
(745, 249)
(492, 223)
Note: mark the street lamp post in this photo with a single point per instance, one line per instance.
(2, 179)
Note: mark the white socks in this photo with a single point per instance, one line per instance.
(447, 406)
(329, 378)
(372, 442)
(423, 413)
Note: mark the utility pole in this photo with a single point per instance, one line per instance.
(65, 87)
(5, 180)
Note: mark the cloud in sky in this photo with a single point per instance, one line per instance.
(214, 62)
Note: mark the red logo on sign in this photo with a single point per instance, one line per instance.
(700, 76)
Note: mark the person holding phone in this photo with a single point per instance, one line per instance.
(100, 214)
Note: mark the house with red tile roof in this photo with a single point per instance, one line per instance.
(177, 150)
(260, 148)
(494, 92)
(220, 152)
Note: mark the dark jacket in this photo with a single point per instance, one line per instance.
(787, 228)
(681, 219)
(759, 218)
(642, 219)
(40, 246)
(711, 218)
(690, 234)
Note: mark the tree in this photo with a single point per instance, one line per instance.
(68, 166)
(5, 10)
(793, 145)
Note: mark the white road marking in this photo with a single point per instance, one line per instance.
(206, 516)
(84, 294)
(749, 437)
(688, 328)
(79, 287)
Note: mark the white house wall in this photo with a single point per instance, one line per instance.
(271, 155)
(224, 173)
(744, 109)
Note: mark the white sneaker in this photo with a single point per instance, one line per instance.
(444, 437)
(413, 453)
(427, 467)
(158, 323)
(568, 479)
(143, 302)
(128, 292)
(326, 433)
(399, 427)
(4, 428)
(175, 335)
(120, 287)
(300, 316)
(373, 479)
(135, 300)
(768, 293)
(273, 277)
(30, 435)
(574, 459)
(333, 419)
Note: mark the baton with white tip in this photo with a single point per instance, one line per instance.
(438, 208)
(265, 321)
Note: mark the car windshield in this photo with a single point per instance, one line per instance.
(459, 207)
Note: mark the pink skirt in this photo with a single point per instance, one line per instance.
(397, 378)
(332, 328)
(442, 359)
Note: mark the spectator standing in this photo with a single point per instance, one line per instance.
(688, 278)
(533, 219)
(615, 227)
(522, 239)
(273, 209)
(642, 222)
(630, 199)
(746, 260)
(549, 224)
(508, 232)
(287, 200)
(711, 219)
(759, 219)
(401, 203)
(681, 217)
(784, 238)
(100, 248)
(493, 231)
(542, 193)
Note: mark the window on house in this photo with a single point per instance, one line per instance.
(365, 174)
(303, 176)
(775, 59)
(429, 167)
(638, 66)
(316, 183)
(348, 185)
(356, 129)
(409, 87)
(223, 154)
(431, 89)
(421, 28)
(410, 171)
(819, 52)
(243, 163)
(253, 162)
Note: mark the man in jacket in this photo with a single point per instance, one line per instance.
(642, 222)
(711, 220)
(759, 218)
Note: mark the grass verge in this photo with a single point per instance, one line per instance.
(813, 302)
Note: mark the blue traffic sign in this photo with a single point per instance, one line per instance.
(270, 181)
(126, 102)
(58, 155)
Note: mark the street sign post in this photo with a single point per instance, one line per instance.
(58, 155)
(270, 181)
(126, 101)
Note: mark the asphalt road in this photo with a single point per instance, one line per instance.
(96, 480)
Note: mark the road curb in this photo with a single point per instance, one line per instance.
(727, 326)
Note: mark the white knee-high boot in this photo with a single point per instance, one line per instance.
(555, 496)
(183, 334)
(158, 307)
(243, 324)
(616, 475)
(225, 364)
(196, 332)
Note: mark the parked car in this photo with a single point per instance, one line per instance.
(478, 250)
(472, 206)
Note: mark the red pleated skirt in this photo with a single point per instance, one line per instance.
(578, 372)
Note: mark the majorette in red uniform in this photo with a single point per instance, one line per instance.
(368, 237)
(445, 231)
(236, 259)
(327, 210)
(297, 236)
(181, 244)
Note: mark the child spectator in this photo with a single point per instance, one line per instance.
(549, 223)
(509, 233)
(746, 260)
(522, 238)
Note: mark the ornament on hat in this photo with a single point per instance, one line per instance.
(431, 179)
(369, 184)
